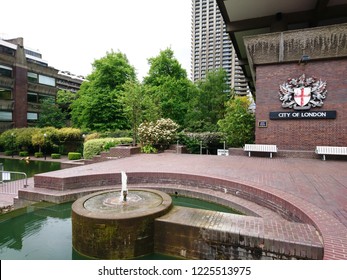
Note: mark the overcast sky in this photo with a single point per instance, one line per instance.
(71, 34)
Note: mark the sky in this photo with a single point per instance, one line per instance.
(71, 34)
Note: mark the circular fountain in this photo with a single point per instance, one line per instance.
(117, 224)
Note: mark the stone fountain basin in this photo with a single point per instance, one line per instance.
(105, 227)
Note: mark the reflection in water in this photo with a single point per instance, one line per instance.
(41, 233)
(30, 168)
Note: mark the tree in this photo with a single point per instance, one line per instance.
(208, 104)
(98, 105)
(64, 100)
(51, 115)
(239, 123)
(168, 86)
(136, 105)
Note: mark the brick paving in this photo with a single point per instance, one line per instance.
(318, 188)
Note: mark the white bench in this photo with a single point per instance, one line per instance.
(260, 148)
(331, 150)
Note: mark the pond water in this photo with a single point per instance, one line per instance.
(31, 167)
(43, 231)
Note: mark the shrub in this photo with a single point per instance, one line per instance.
(96, 146)
(55, 156)
(149, 149)
(23, 153)
(74, 156)
(9, 153)
(158, 134)
(193, 140)
(38, 154)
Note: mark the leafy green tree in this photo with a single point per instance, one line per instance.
(98, 105)
(207, 105)
(64, 100)
(239, 123)
(168, 86)
(51, 115)
(138, 107)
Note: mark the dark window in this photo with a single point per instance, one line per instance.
(5, 94)
(32, 97)
(5, 71)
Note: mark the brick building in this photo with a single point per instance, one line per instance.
(295, 56)
(26, 80)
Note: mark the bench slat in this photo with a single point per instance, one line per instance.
(260, 148)
(331, 150)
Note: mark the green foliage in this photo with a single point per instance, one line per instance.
(69, 134)
(98, 106)
(207, 102)
(23, 153)
(9, 153)
(65, 98)
(51, 115)
(38, 154)
(96, 146)
(194, 140)
(148, 149)
(17, 138)
(45, 138)
(239, 123)
(55, 156)
(29, 139)
(164, 65)
(74, 156)
(91, 136)
(158, 134)
(168, 87)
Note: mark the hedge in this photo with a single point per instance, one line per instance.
(74, 156)
(94, 147)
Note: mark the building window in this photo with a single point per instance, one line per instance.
(7, 50)
(42, 98)
(5, 116)
(5, 71)
(32, 77)
(45, 80)
(5, 94)
(32, 97)
(32, 117)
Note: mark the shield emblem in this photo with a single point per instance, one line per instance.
(302, 95)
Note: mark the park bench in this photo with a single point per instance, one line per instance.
(260, 148)
(331, 150)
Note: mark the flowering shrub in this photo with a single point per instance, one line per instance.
(158, 134)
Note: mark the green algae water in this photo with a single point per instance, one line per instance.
(31, 167)
(43, 231)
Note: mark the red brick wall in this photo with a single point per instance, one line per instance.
(20, 97)
(302, 134)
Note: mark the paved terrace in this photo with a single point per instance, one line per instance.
(318, 188)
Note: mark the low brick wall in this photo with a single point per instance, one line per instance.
(282, 203)
(202, 234)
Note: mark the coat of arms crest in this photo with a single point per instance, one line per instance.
(302, 93)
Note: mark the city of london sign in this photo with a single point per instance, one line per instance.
(303, 93)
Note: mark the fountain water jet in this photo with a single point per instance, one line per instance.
(124, 191)
(117, 224)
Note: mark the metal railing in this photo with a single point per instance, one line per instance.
(11, 181)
